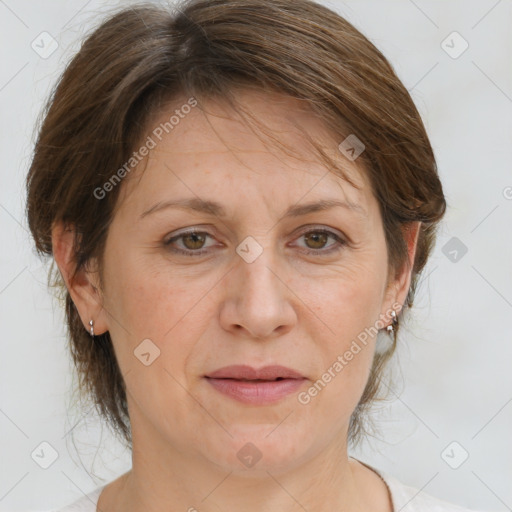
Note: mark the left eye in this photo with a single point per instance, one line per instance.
(193, 242)
(318, 238)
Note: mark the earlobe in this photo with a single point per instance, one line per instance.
(83, 285)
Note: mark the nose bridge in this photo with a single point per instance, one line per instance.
(258, 270)
(256, 296)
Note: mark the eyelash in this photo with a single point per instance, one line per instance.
(340, 242)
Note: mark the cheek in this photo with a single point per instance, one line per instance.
(149, 305)
(140, 295)
(152, 303)
(347, 297)
(346, 306)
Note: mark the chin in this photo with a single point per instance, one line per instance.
(255, 450)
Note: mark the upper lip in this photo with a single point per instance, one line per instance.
(244, 372)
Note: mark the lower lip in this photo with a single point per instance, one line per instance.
(258, 393)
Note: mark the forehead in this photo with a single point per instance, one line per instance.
(215, 149)
(260, 121)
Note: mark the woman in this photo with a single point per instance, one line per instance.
(239, 197)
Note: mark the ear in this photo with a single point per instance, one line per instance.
(397, 289)
(83, 286)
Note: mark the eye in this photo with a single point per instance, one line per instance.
(317, 239)
(192, 241)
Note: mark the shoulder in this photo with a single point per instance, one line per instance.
(410, 499)
(86, 503)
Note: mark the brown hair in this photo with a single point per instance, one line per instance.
(143, 56)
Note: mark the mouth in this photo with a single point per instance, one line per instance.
(256, 387)
(249, 380)
(248, 373)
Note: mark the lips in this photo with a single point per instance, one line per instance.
(248, 373)
(262, 387)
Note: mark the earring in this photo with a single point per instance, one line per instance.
(394, 321)
(91, 328)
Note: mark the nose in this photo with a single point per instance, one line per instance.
(257, 301)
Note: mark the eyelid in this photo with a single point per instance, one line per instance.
(319, 227)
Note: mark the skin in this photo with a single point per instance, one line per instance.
(205, 312)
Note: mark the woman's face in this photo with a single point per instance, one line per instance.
(244, 290)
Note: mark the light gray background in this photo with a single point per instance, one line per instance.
(453, 381)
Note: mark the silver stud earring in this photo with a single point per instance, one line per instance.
(394, 321)
(91, 328)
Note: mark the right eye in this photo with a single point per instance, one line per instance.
(192, 241)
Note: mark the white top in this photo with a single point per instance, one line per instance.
(404, 498)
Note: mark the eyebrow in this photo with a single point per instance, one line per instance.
(213, 208)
